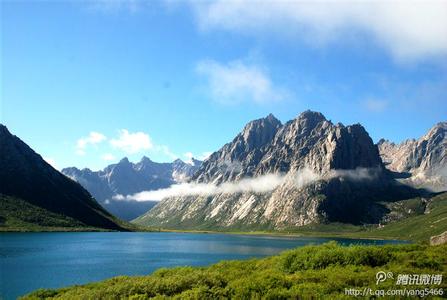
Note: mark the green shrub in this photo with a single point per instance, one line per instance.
(313, 271)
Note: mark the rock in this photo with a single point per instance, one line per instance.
(422, 162)
(439, 239)
(324, 173)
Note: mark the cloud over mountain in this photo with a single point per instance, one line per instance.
(261, 184)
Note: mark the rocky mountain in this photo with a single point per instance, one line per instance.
(272, 176)
(35, 194)
(127, 178)
(421, 162)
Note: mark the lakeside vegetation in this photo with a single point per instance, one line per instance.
(325, 271)
(17, 215)
(20, 216)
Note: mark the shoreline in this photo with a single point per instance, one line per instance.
(310, 234)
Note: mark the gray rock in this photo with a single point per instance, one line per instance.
(422, 162)
(439, 239)
(341, 165)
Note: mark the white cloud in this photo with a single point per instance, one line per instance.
(92, 139)
(108, 156)
(189, 156)
(260, 184)
(236, 81)
(132, 142)
(166, 151)
(375, 105)
(409, 29)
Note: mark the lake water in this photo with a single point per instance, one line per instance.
(29, 261)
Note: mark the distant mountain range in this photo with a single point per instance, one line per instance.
(422, 162)
(305, 171)
(125, 178)
(34, 195)
(270, 176)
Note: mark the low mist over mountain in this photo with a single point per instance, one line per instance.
(421, 162)
(126, 178)
(33, 193)
(275, 175)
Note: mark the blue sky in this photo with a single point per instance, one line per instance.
(86, 83)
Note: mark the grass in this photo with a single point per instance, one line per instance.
(323, 271)
(419, 227)
(18, 215)
(416, 226)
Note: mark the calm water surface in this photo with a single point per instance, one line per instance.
(29, 261)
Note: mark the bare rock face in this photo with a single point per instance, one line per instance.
(264, 146)
(237, 159)
(274, 176)
(423, 162)
(439, 239)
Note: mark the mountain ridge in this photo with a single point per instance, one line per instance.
(126, 178)
(419, 162)
(26, 176)
(329, 173)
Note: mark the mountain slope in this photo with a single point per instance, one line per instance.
(421, 162)
(25, 176)
(317, 172)
(126, 178)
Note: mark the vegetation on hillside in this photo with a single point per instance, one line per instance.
(19, 215)
(418, 227)
(325, 271)
(418, 223)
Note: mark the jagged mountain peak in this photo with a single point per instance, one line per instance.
(178, 161)
(383, 141)
(358, 130)
(308, 141)
(421, 162)
(145, 159)
(124, 160)
(270, 117)
(305, 123)
(437, 131)
(259, 132)
(4, 129)
(128, 178)
(307, 149)
(311, 116)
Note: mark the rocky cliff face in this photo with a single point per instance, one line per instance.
(26, 176)
(317, 171)
(309, 141)
(126, 178)
(421, 162)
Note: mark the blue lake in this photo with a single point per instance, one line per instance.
(29, 261)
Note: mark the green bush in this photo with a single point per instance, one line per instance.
(313, 271)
